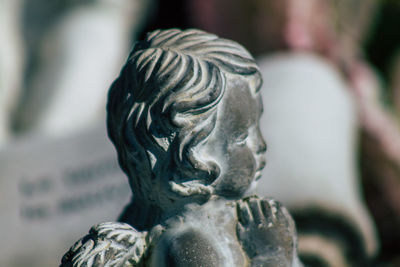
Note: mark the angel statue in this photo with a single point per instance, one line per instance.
(184, 117)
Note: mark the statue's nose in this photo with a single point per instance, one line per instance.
(261, 145)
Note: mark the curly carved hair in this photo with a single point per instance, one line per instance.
(164, 102)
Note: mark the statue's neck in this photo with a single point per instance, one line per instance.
(141, 215)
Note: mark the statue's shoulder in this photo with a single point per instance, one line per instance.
(108, 244)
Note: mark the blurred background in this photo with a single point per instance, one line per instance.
(331, 120)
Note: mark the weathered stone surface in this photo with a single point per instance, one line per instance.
(184, 118)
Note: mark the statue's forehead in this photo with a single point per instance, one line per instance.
(240, 90)
(241, 107)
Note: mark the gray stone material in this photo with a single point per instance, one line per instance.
(184, 118)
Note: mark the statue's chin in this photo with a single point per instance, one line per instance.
(258, 174)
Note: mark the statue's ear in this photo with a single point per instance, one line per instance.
(193, 178)
(193, 168)
(213, 171)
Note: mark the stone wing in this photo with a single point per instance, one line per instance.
(107, 244)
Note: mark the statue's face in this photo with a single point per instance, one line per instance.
(236, 142)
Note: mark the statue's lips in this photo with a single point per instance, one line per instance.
(261, 165)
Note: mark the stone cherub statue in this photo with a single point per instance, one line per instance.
(183, 116)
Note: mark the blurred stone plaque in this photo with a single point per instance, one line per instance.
(52, 191)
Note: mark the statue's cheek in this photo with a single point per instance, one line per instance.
(238, 172)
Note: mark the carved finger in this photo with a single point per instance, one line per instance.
(256, 212)
(270, 209)
(265, 209)
(240, 230)
(243, 213)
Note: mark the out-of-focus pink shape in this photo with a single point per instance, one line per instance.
(377, 121)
